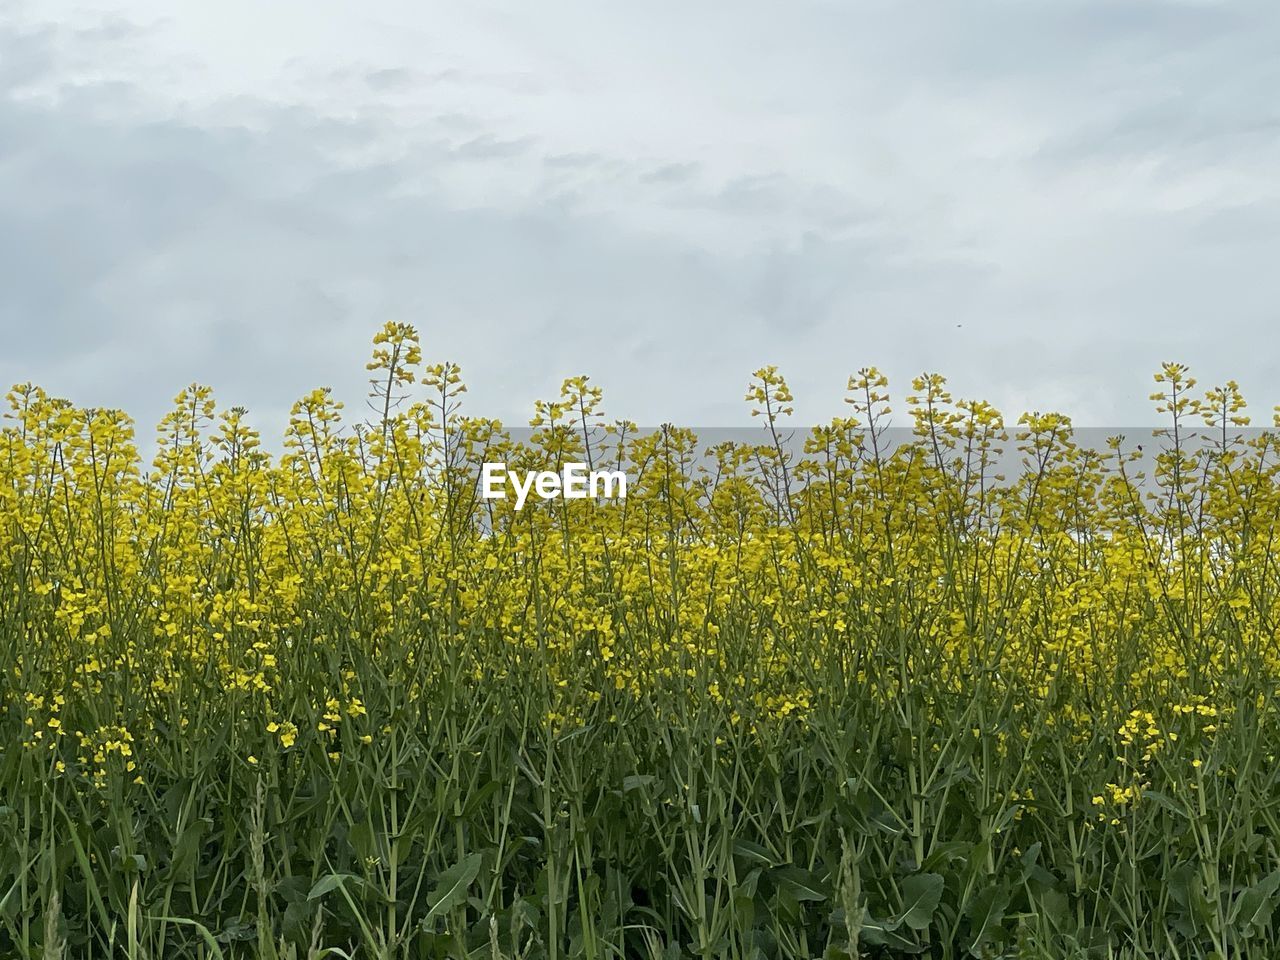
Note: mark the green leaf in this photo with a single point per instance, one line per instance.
(1034, 875)
(1254, 906)
(1166, 802)
(1054, 905)
(186, 852)
(451, 887)
(1187, 890)
(986, 913)
(801, 884)
(747, 885)
(332, 882)
(884, 933)
(754, 853)
(947, 853)
(205, 935)
(920, 896)
(362, 840)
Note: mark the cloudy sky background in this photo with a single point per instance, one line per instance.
(1041, 200)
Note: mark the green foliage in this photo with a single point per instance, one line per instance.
(868, 703)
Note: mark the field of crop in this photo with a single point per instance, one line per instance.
(871, 698)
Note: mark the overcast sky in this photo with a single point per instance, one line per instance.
(1041, 200)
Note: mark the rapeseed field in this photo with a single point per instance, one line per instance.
(955, 687)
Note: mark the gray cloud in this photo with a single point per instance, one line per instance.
(1042, 200)
(489, 147)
